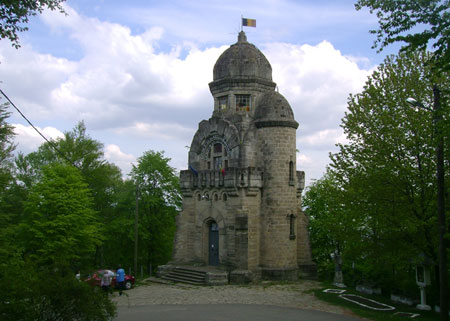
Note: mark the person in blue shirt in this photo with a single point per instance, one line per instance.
(120, 279)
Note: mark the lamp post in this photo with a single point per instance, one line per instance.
(437, 123)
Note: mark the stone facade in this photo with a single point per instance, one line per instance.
(242, 193)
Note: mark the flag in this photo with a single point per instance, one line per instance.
(248, 22)
(193, 170)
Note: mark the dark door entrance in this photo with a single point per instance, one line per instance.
(213, 244)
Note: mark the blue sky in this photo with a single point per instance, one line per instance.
(137, 72)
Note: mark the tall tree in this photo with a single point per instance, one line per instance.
(333, 228)
(419, 24)
(387, 167)
(78, 149)
(60, 227)
(423, 24)
(159, 200)
(6, 184)
(6, 147)
(57, 234)
(14, 15)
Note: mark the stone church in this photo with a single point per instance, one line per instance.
(241, 192)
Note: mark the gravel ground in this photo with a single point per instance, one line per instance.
(293, 295)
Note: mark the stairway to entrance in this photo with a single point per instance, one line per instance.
(185, 275)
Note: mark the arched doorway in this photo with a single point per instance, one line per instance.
(213, 243)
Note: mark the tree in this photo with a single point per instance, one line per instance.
(7, 193)
(159, 201)
(36, 293)
(6, 148)
(332, 227)
(119, 229)
(15, 13)
(58, 232)
(429, 20)
(60, 227)
(387, 167)
(78, 149)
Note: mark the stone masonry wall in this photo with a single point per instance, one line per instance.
(277, 145)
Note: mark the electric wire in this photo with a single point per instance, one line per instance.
(52, 145)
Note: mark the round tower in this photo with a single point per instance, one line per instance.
(276, 132)
(240, 74)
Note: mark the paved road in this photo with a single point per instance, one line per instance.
(224, 312)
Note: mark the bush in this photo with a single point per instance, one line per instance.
(50, 294)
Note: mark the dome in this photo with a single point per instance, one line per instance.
(272, 109)
(242, 60)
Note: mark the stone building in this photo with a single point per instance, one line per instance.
(242, 193)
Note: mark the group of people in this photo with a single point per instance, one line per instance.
(107, 276)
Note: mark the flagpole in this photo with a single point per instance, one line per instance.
(242, 26)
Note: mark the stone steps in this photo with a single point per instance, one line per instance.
(185, 275)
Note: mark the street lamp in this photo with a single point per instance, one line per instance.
(437, 123)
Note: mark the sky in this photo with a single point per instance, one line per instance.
(137, 72)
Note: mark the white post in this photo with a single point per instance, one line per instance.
(423, 300)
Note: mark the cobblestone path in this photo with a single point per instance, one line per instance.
(296, 295)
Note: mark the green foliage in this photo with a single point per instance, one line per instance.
(57, 232)
(118, 247)
(81, 151)
(332, 227)
(33, 293)
(428, 22)
(377, 202)
(14, 14)
(7, 188)
(75, 148)
(158, 204)
(59, 226)
(6, 148)
(156, 179)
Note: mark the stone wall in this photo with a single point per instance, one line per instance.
(279, 200)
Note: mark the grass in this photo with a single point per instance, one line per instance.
(374, 315)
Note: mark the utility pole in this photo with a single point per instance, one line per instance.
(437, 119)
(136, 218)
(440, 184)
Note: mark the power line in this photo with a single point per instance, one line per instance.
(48, 141)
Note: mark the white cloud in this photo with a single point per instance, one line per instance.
(316, 80)
(29, 140)
(130, 91)
(322, 139)
(167, 131)
(124, 161)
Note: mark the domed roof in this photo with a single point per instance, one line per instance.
(272, 109)
(242, 60)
